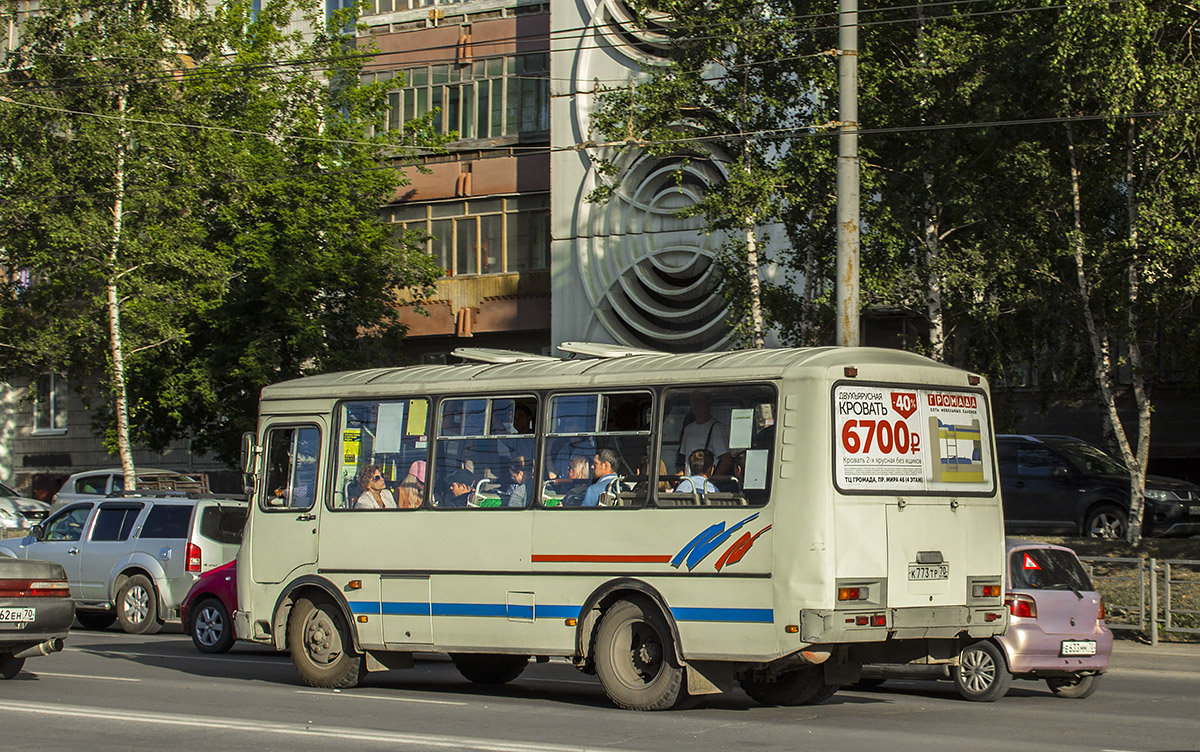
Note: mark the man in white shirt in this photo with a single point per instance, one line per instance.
(706, 432)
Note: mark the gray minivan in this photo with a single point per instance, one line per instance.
(132, 558)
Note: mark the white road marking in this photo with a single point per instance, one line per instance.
(357, 696)
(86, 676)
(333, 733)
(186, 657)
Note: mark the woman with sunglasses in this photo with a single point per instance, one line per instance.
(375, 494)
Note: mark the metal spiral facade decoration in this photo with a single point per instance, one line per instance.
(649, 278)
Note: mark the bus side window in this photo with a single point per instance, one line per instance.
(291, 467)
(596, 450)
(736, 424)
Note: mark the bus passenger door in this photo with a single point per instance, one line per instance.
(283, 532)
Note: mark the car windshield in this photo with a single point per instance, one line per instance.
(1090, 458)
(1047, 569)
(6, 491)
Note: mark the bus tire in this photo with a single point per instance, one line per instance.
(982, 674)
(320, 645)
(799, 687)
(1074, 687)
(482, 668)
(635, 658)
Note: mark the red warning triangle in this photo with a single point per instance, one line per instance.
(1029, 563)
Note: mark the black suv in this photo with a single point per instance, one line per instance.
(1060, 484)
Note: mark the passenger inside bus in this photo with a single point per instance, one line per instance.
(575, 485)
(376, 495)
(516, 493)
(700, 467)
(604, 470)
(458, 489)
(411, 491)
(704, 431)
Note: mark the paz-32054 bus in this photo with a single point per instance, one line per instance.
(675, 524)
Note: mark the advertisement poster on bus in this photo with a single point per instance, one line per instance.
(908, 440)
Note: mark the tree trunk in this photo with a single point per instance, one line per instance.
(1136, 461)
(756, 315)
(120, 398)
(1102, 365)
(933, 292)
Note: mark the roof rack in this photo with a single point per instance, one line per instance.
(601, 350)
(494, 355)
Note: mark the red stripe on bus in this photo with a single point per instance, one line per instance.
(593, 558)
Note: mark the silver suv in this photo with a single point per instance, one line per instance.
(92, 484)
(132, 558)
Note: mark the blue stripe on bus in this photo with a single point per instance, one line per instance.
(418, 608)
(752, 615)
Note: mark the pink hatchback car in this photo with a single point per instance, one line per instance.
(1056, 632)
(206, 609)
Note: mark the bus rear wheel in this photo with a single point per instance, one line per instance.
(489, 669)
(321, 647)
(803, 686)
(635, 658)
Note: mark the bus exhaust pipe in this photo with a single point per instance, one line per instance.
(45, 648)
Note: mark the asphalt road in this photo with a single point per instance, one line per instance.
(112, 691)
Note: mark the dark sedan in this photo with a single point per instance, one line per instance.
(36, 611)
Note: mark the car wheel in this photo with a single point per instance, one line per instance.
(10, 665)
(803, 686)
(1106, 522)
(1074, 687)
(137, 606)
(489, 669)
(635, 658)
(210, 626)
(95, 619)
(321, 646)
(982, 674)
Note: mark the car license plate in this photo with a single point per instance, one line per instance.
(17, 614)
(922, 572)
(1194, 510)
(1078, 647)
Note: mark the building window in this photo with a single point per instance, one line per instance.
(502, 96)
(50, 404)
(377, 7)
(483, 236)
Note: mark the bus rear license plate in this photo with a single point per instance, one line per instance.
(1078, 647)
(921, 572)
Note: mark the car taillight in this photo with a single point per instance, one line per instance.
(1102, 612)
(193, 557)
(34, 589)
(1021, 605)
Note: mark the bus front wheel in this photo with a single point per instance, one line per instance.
(321, 647)
(635, 658)
(804, 686)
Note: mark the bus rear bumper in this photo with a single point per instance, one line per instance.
(818, 626)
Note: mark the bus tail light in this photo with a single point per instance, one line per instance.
(1021, 605)
(986, 591)
(193, 557)
(853, 593)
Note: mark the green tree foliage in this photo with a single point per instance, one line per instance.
(194, 196)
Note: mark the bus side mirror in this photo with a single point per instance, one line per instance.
(247, 453)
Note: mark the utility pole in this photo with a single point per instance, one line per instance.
(847, 176)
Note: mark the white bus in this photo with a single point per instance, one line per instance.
(840, 507)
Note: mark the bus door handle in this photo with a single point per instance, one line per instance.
(306, 517)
